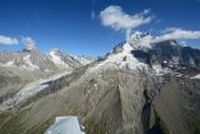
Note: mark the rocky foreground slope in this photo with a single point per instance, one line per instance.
(137, 88)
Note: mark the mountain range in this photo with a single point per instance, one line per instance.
(139, 87)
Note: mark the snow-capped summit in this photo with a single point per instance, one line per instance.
(141, 52)
(140, 40)
(132, 54)
(121, 56)
(139, 35)
(63, 61)
(56, 57)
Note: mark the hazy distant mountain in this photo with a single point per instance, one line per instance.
(18, 68)
(137, 88)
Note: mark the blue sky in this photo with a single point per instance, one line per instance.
(76, 27)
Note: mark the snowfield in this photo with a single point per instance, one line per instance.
(196, 76)
(28, 91)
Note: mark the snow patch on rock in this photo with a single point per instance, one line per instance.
(159, 70)
(29, 65)
(196, 76)
(8, 64)
(57, 59)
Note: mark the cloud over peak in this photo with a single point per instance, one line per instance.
(5, 40)
(117, 19)
(178, 34)
(29, 43)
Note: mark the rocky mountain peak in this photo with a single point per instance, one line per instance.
(30, 47)
(140, 53)
(139, 35)
(56, 51)
(139, 40)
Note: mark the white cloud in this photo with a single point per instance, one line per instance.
(116, 18)
(178, 34)
(168, 34)
(29, 43)
(5, 40)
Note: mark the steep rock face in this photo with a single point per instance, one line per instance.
(42, 61)
(177, 106)
(182, 56)
(170, 53)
